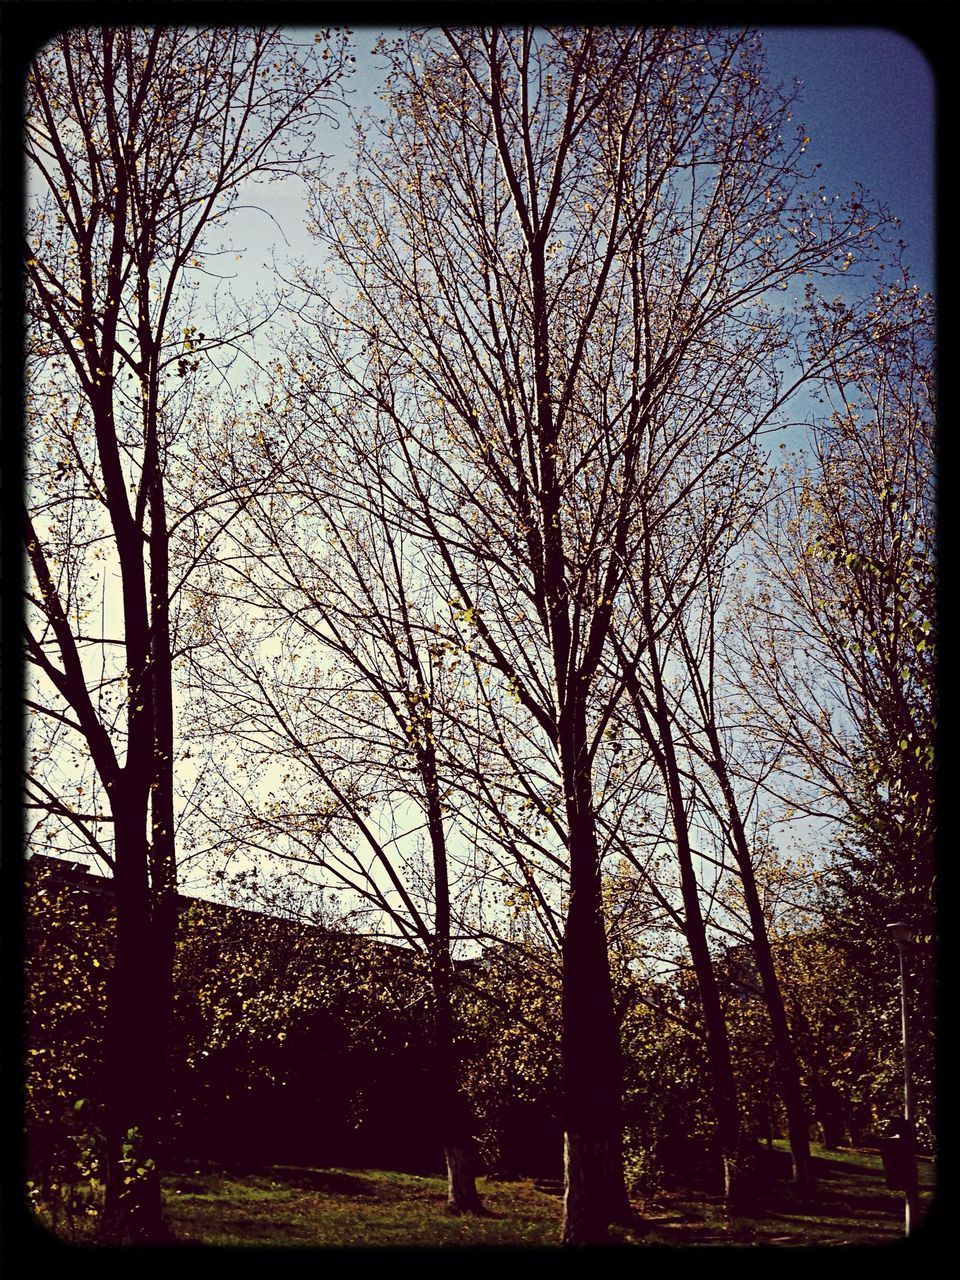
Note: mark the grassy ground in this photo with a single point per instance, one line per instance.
(336, 1207)
(339, 1207)
(852, 1206)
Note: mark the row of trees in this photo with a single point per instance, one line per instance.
(462, 594)
(291, 1043)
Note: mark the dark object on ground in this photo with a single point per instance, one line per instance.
(896, 1152)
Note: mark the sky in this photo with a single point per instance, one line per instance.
(867, 102)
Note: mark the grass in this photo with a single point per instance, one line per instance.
(852, 1206)
(340, 1207)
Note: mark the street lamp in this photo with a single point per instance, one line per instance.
(902, 934)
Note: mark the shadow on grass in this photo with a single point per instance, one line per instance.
(332, 1182)
(282, 1176)
(843, 1187)
(851, 1204)
(299, 1205)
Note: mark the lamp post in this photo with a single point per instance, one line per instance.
(902, 934)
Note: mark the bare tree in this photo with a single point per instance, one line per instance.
(842, 644)
(337, 675)
(558, 234)
(138, 142)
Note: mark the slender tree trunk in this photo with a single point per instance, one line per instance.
(459, 1155)
(162, 853)
(135, 1041)
(141, 1000)
(452, 1108)
(458, 1145)
(594, 1191)
(726, 1106)
(730, 1135)
(788, 1068)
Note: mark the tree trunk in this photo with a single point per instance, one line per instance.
(730, 1136)
(462, 1196)
(146, 914)
(454, 1112)
(135, 1047)
(725, 1103)
(594, 1191)
(163, 858)
(828, 1108)
(788, 1068)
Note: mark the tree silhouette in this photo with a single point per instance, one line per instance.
(555, 242)
(138, 143)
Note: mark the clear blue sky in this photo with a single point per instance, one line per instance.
(868, 104)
